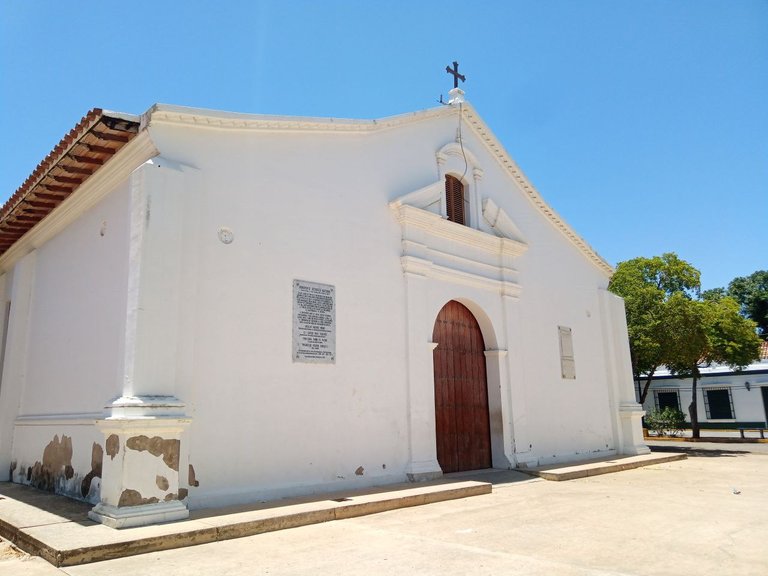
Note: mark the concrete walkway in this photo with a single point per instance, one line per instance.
(58, 529)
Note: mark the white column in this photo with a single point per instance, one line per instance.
(140, 475)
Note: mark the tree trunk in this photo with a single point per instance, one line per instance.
(693, 408)
(646, 386)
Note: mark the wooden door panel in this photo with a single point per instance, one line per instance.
(462, 423)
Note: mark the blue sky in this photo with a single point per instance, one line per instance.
(644, 123)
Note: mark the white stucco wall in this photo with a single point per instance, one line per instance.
(66, 354)
(139, 297)
(78, 316)
(314, 206)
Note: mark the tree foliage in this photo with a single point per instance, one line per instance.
(711, 331)
(647, 286)
(751, 292)
(670, 323)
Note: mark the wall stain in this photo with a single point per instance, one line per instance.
(133, 498)
(171, 496)
(57, 463)
(183, 493)
(360, 471)
(97, 458)
(113, 445)
(157, 446)
(191, 480)
(162, 482)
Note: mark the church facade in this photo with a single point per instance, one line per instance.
(206, 308)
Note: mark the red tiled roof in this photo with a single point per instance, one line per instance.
(95, 139)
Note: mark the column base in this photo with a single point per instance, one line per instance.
(630, 420)
(423, 471)
(143, 515)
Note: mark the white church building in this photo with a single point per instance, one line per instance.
(204, 308)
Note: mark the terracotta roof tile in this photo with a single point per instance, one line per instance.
(93, 141)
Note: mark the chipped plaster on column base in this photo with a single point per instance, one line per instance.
(135, 469)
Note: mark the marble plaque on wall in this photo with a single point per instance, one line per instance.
(314, 322)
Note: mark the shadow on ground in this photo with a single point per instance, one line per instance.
(493, 476)
(699, 452)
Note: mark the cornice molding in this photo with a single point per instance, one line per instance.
(492, 143)
(422, 197)
(87, 195)
(165, 114)
(75, 419)
(437, 226)
(459, 151)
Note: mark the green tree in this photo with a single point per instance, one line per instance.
(706, 332)
(647, 286)
(751, 292)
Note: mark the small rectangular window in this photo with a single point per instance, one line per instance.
(455, 200)
(667, 399)
(567, 363)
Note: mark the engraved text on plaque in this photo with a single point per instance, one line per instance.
(314, 322)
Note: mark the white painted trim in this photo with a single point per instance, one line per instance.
(103, 181)
(143, 515)
(501, 271)
(216, 119)
(422, 197)
(495, 353)
(421, 267)
(74, 419)
(133, 425)
(500, 221)
(437, 226)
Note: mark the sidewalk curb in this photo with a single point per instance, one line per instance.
(129, 541)
(560, 472)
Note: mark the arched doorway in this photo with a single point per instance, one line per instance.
(462, 422)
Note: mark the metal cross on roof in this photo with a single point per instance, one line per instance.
(455, 73)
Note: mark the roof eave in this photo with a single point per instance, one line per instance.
(84, 150)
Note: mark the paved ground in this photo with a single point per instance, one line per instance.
(705, 515)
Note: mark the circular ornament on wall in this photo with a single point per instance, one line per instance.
(226, 235)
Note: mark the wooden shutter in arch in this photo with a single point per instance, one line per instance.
(454, 199)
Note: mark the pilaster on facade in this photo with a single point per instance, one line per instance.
(627, 413)
(422, 448)
(19, 296)
(502, 435)
(142, 432)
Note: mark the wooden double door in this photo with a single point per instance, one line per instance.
(462, 421)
